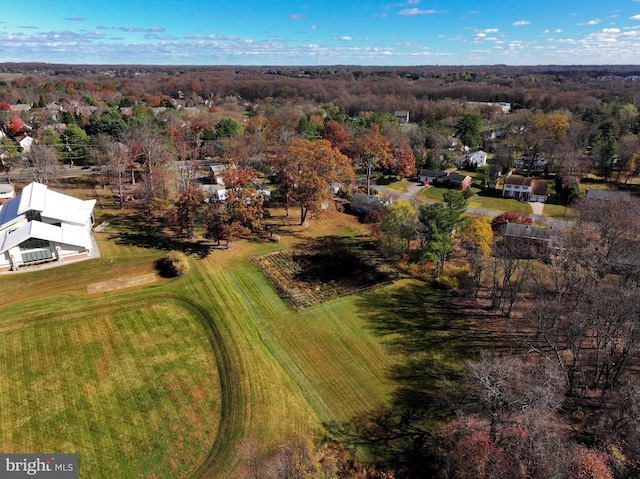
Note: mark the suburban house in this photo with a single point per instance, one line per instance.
(538, 193)
(526, 241)
(41, 225)
(24, 142)
(429, 177)
(444, 179)
(362, 203)
(402, 116)
(7, 192)
(215, 173)
(526, 163)
(458, 182)
(477, 158)
(216, 191)
(525, 188)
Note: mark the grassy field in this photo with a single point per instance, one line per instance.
(172, 378)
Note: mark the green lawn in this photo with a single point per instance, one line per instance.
(478, 200)
(110, 382)
(170, 379)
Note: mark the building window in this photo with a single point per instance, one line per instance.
(33, 215)
(40, 255)
(33, 243)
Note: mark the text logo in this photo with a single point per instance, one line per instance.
(45, 466)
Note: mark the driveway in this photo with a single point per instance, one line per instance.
(536, 208)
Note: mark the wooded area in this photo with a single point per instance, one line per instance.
(558, 395)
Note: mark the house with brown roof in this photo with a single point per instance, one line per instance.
(538, 192)
(525, 188)
(527, 241)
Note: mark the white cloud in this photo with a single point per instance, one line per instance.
(635, 17)
(591, 22)
(212, 37)
(297, 16)
(344, 38)
(415, 11)
(521, 23)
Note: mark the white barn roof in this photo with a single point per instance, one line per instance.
(72, 215)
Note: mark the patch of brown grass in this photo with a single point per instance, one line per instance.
(121, 283)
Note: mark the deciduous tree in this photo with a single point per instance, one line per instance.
(307, 170)
(373, 150)
(398, 228)
(185, 213)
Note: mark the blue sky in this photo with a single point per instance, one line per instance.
(410, 32)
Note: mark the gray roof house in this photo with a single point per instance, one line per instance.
(361, 202)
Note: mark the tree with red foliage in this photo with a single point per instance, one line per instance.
(14, 126)
(335, 134)
(4, 106)
(590, 464)
(498, 223)
(401, 163)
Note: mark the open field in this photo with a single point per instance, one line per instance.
(171, 378)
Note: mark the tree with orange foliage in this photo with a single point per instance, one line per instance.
(373, 150)
(182, 217)
(240, 213)
(307, 170)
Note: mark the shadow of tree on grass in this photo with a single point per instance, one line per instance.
(431, 339)
(135, 231)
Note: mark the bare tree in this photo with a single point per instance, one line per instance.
(41, 161)
(148, 147)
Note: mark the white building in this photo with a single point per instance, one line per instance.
(41, 225)
(477, 158)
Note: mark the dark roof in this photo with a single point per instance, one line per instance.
(456, 178)
(607, 195)
(527, 231)
(364, 199)
(518, 180)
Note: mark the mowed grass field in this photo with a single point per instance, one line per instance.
(173, 378)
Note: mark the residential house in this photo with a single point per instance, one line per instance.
(429, 177)
(517, 187)
(538, 192)
(402, 116)
(24, 142)
(529, 163)
(7, 192)
(445, 179)
(362, 203)
(20, 107)
(475, 159)
(43, 225)
(216, 191)
(459, 182)
(215, 173)
(527, 241)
